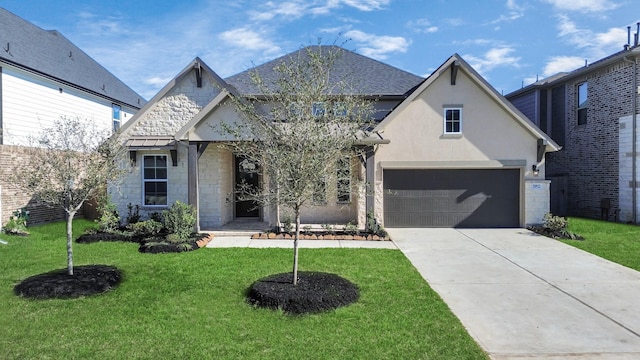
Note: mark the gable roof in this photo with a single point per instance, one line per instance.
(564, 77)
(456, 60)
(51, 55)
(372, 77)
(196, 65)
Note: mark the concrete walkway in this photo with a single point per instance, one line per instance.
(524, 296)
(246, 241)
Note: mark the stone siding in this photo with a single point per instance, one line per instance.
(536, 201)
(216, 187)
(590, 156)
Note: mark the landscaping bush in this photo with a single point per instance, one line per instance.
(17, 224)
(109, 218)
(180, 220)
(145, 228)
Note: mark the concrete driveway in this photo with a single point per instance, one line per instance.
(525, 296)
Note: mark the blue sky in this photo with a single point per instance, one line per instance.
(510, 42)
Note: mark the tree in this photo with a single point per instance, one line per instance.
(306, 118)
(68, 164)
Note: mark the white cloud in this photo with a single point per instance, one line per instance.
(515, 12)
(248, 39)
(422, 26)
(289, 10)
(558, 64)
(495, 57)
(596, 45)
(366, 5)
(377, 46)
(592, 6)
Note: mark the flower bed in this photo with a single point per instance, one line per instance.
(321, 236)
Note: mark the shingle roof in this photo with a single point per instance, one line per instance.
(52, 55)
(369, 76)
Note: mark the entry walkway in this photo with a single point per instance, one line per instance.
(525, 296)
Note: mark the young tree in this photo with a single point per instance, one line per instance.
(68, 164)
(306, 118)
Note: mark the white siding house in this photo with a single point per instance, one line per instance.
(43, 78)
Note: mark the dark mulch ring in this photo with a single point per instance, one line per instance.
(161, 245)
(103, 236)
(86, 280)
(555, 234)
(315, 292)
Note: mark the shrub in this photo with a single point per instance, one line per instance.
(134, 214)
(555, 223)
(374, 227)
(157, 216)
(351, 228)
(17, 224)
(109, 220)
(287, 225)
(146, 228)
(180, 219)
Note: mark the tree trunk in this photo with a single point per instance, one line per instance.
(70, 216)
(295, 247)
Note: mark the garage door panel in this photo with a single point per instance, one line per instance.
(451, 198)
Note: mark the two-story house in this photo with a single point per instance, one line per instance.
(592, 113)
(43, 78)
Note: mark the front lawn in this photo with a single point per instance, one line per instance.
(192, 306)
(617, 242)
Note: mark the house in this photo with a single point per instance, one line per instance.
(450, 151)
(592, 113)
(44, 77)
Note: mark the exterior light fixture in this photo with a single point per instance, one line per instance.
(535, 170)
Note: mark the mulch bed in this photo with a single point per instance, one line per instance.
(85, 281)
(315, 292)
(154, 245)
(158, 246)
(555, 234)
(320, 236)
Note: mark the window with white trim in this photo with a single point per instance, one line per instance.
(453, 120)
(343, 178)
(154, 180)
(117, 116)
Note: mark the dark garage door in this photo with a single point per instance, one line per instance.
(452, 198)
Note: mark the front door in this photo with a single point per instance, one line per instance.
(246, 173)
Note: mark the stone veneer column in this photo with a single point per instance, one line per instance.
(536, 200)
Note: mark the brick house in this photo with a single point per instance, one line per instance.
(43, 77)
(447, 151)
(592, 113)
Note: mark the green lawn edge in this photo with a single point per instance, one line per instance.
(192, 306)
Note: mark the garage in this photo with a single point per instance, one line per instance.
(451, 197)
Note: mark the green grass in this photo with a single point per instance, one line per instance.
(192, 306)
(619, 243)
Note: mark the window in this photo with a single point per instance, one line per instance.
(320, 192)
(452, 120)
(583, 103)
(116, 117)
(317, 109)
(340, 109)
(343, 176)
(154, 180)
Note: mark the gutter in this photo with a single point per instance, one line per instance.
(634, 138)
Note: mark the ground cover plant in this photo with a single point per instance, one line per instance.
(193, 305)
(617, 242)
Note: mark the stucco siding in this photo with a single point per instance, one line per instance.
(490, 135)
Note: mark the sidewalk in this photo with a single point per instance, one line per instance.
(246, 241)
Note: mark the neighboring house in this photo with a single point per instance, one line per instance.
(447, 151)
(592, 113)
(44, 77)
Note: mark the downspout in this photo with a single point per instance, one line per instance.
(634, 137)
